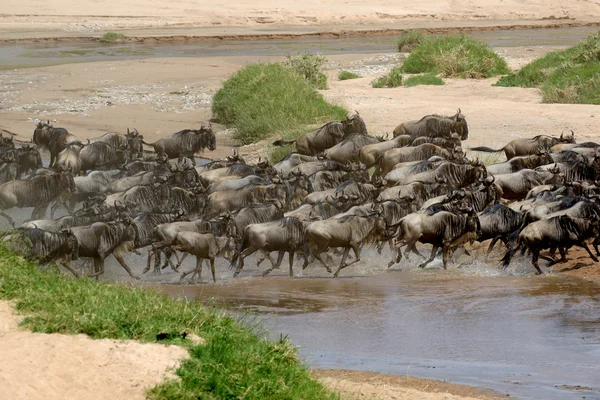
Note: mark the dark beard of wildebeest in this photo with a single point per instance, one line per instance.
(524, 147)
(348, 231)
(37, 192)
(186, 143)
(45, 247)
(560, 232)
(435, 126)
(326, 136)
(285, 235)
(443, 229)
(45, 136)
(102, 239)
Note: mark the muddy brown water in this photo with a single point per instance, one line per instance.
(526, 336)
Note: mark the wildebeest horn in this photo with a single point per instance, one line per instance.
(572, 133)
(562, 134)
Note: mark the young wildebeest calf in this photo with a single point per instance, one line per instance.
(203, 246)
(559, 232)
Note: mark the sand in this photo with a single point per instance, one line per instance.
(41, 366)
(38, 18)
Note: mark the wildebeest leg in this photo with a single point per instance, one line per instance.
(534, 260)
(492, 244)
(277, 265)
(317, 255)
(412, 247)
(585, 246)
(69, 268)
(445, 251)
(563, 254)
(8, 218)
(39, 212)
(194, 271)
(434, 250)
(356, 250)
(291, 262)
(596, 243)
(212, 269)
(121, 261)
(342, 262)
(265, 255)
(180, 261)
(245, 253)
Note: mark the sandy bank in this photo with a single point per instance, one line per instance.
(67, 18)
(41, 366)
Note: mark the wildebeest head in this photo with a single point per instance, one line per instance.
(567, 139)
(210, 139)
(460, 125)
(354, 124)
(134, 142)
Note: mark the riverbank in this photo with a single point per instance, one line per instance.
(65, 18)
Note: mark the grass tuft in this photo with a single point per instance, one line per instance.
(310, 67)
(568, 76)
(236, 361)
(346, 75)
(262, 99)
(409, 41)
(111, 37)
(392, 79)
(455, 57)
(425, 79)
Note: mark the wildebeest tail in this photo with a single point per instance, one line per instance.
(282, 142)
(147, 144)
(485, 149)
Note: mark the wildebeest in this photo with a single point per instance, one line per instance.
(370, 153)
(228, 200)
(102, 239)
(435, 126)
(29, 158)
(445, 142)
(37, 192)
(290, 161)
(443, 229)
(349, 232)
(45, 136)
(203, 246)
(348, 149)
(498, 222)
(326, 136)
(69, 158)
(515, 186)
(284, 235)
(186, 142)
(45, 247)
(102, 155)
(402, 154)
(524, 147)
(520, 162)
(558, 232)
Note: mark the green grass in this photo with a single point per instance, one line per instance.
(409, 41)
(424, 79)
(109, 37)
(346, 75)
(236, 361)
(309, 66)
(568, 76)
(265, 99)
(392, 79)
(455, 57)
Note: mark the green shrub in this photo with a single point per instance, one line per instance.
(262, 99)
(109, 37)
(455, 57)
(425, 79)
(393, 79)
(309, 66)
(236, 361)
(407, 42)
(568, 76)
(345, 75)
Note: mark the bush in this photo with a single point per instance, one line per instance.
(345, 75)
(407, 42)
(236, 361)
(568, 76)
(393, 79)
(425, 79)
(261, 99)
(309, 66)
(455, 57)
(109, 37)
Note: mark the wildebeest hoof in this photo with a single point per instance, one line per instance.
(595, 259)
(539, 273)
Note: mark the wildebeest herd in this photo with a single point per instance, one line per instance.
(341, 190)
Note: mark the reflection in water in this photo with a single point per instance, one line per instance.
(523, 335)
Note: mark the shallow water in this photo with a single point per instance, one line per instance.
(44, 54)
(527, 336)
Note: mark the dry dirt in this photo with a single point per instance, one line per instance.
(40, 366)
